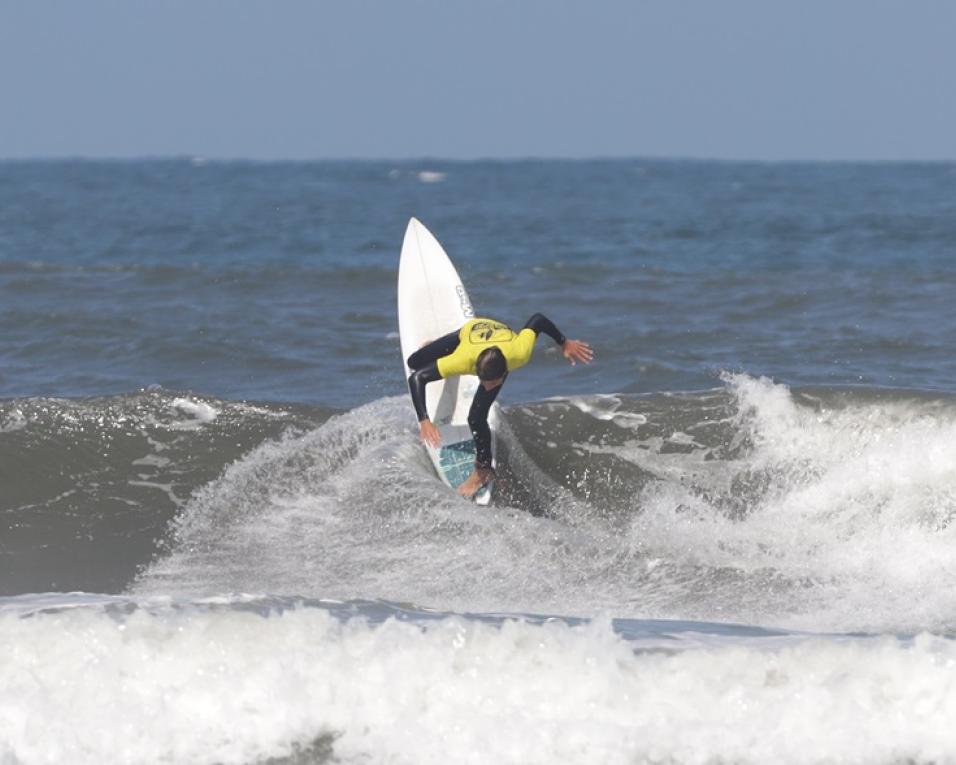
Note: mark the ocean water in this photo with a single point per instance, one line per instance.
(730, 539)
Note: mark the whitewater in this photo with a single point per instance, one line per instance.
(764, 567)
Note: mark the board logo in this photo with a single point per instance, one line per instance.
(467, 311)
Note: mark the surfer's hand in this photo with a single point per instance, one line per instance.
(575, 350)
(430, 434)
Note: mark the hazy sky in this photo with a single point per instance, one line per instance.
(762, 79)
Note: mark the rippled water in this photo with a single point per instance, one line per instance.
(741, 513)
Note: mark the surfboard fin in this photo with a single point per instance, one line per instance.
(482, 497)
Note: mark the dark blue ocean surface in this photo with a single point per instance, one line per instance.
(276, 282)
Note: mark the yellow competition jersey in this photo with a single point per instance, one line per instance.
(479, 334)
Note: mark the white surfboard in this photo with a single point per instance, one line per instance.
(432, 302)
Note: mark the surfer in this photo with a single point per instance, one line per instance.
(491, 350)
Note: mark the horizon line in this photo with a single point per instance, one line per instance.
(200, 159)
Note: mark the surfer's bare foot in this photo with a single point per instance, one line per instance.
(475, 481)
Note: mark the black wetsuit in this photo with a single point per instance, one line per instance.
(424, 366)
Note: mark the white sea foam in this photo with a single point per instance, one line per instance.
(808, 518)
(843, 515)
(431, 176)
(12, 420)
(228, 686)
(200, 411)
(608, 407)
(353, 510)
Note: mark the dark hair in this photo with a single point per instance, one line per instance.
(491, 364)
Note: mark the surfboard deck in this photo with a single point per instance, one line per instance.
(432, 301)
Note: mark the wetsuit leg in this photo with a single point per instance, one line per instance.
(435, 350)
(478, 422)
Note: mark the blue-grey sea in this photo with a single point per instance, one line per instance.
(730, 539)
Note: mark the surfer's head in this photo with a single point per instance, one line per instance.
(491, 365)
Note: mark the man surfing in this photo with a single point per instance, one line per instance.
(490, 350)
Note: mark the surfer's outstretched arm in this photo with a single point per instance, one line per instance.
(539, 323)
(573, 350)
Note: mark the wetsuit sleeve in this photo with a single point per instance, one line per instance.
(417, 381)
(433, 351)
(540, 323)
